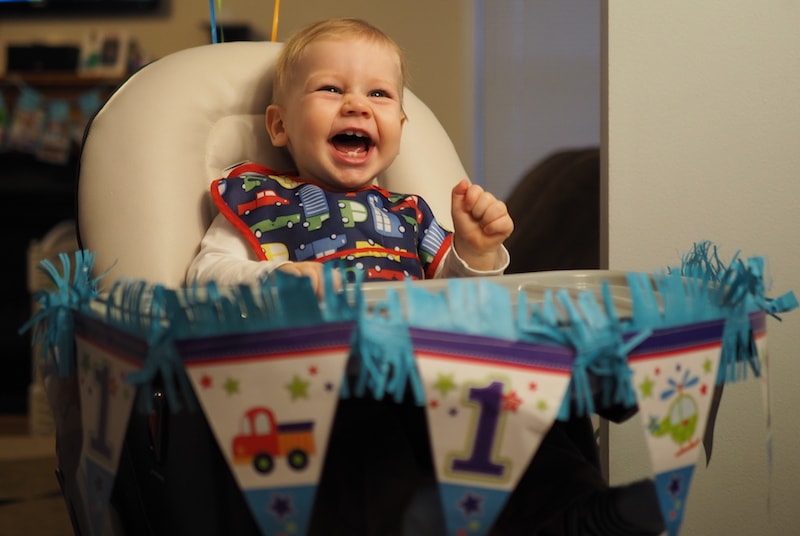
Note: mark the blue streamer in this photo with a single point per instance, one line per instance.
(53, 324)
(383, 346)
(733, 292)
(213, 15)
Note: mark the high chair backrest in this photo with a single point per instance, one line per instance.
(151, 152)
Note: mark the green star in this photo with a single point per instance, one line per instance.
(444, 384)
(298, 388)
(646, 388)
(231, 386)
(86, 361)
(707, 366)
(542, 405)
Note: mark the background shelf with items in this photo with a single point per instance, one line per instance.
(45, 114)
(42, 118)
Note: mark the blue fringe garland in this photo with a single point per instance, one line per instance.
(734, 290)
(53, 323)
(702, 289)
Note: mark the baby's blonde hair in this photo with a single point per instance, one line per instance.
(336, 29)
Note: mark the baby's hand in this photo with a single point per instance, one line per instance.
(315, 272)
(481, 223)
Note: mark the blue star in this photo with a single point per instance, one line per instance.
(471, 504)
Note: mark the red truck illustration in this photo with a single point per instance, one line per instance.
(262, 439)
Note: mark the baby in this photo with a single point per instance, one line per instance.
(337, 109)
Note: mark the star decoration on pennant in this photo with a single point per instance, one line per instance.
(646, 388)
(86, 361)
(511, 401)
(281, 506)
(231, 386)
(470, 504)
(298, 388)
(113, 386)
(206, 381)
(444, 384)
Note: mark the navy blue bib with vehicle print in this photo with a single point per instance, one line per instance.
(387, 236)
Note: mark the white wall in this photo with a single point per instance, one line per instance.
(703, 139)
(540, 85)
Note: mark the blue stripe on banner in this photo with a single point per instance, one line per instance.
(507, 352)
(279, 342)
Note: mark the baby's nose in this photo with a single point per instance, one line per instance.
(355, 104)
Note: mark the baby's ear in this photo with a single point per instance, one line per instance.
(275, 126)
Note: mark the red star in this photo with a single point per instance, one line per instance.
(112, 386)
(434, 404)
(703, 389)
(312, 370)
(532, 386)
(511, 401)
(206, 381)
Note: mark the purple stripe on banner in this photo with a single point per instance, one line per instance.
(681, 337)
(268, 342)
(503, 351)
(126, 345)
(758, 321)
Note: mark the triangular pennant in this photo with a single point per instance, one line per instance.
(672, 488)
(105, 357)
(489, 404)
(270, 399)
(674, 373)
(758, 322)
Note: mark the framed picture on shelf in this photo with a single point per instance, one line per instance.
(104, 54)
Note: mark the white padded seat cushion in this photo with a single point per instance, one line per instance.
(174, 126)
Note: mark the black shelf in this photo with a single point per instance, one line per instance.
(34, 197)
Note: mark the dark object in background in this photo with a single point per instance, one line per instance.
(42, 58)
(556, 212)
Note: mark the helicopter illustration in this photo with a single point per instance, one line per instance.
(680, 423)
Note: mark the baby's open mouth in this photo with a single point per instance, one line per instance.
(352, 142)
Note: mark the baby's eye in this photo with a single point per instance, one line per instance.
(378, 93)
(330, 89)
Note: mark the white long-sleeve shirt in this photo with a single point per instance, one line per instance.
(227, 259)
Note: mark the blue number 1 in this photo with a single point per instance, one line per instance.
(100, 441)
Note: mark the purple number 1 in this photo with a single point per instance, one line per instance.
(479, 460)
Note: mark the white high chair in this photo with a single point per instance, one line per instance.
(174, 126)
(143, 206)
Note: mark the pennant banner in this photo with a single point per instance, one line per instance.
(270, 399)
(492, 376)
(489, 403)
(674, 373)
(105, 357)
